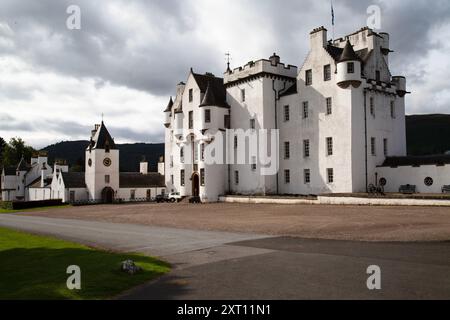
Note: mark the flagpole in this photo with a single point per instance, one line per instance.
(332, 17)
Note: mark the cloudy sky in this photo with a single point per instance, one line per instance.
(128, 56)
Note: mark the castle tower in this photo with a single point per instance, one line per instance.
(102, 166)
(348, 68)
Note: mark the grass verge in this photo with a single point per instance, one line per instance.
(33, 209)
(34, 267)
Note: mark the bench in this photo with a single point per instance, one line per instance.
(407, 189)
(446, 189)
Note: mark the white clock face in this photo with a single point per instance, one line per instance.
(107, 162)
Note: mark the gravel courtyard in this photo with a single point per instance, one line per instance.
(307, 221)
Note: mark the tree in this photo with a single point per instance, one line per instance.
(13, 151)
(2, 147)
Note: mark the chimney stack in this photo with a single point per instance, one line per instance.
(143, 166)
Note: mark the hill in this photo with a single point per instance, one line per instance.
(428, 134)
(130, 154)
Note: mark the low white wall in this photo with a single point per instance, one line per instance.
(258, 200)
(38, 194)
(415, 176)
(323, 200)
(381, 201)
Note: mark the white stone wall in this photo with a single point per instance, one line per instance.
(95, 174)
(38, 194)
(415, 176)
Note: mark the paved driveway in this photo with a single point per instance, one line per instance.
(223, 265)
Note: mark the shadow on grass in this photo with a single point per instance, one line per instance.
(40, 273)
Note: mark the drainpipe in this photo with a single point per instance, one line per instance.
(276, 98)
(365, 137)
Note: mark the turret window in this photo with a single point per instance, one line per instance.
(350, 67)
(330, 175)
(207, 116)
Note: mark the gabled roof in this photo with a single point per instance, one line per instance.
(139, 180)
(102, 139)
(169, 106)
(74, 179)
(416, 161)
(348, 54)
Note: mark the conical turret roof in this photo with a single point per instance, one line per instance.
(348, 54)
(23, 166)
(209, 99)
(169, 106)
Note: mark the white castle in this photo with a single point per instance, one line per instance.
(101, 182)
(339, 121)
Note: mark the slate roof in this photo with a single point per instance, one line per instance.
(102, 138)
(23, 165)
(73, 179)
(216, 86)
(139, 180)
(348, 54)
(291, 90)
(336, 53)
(416, 161)
(169, 106)
(37, 183)
(209, 99)
(10, 171)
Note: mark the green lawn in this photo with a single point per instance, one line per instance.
(34, 267)
(33, 209)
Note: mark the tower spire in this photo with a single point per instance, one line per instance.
(228, 55)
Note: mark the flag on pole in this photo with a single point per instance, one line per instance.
(332, 14)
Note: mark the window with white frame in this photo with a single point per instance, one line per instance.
(305, 109)
(329, 142)
(330, 175)
(329, 103)
(393, 115)
(327, 72)
(307, 176)
(350, 67)
(287, 150)
(287, 176)
(306, 148)
(182, 182)
(372, 106)
(308, 77)
(373, 146)
(286, 113)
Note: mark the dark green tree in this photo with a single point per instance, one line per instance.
(13, 151)
(2, 147)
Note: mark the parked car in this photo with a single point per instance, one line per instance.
(174, 197)
(161, 198)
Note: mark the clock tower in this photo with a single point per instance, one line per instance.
(102, 166)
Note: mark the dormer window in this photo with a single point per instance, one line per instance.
(308, 77)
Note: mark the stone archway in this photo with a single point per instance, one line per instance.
(195, 185)
(108, 195)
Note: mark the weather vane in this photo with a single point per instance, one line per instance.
(228, 55)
